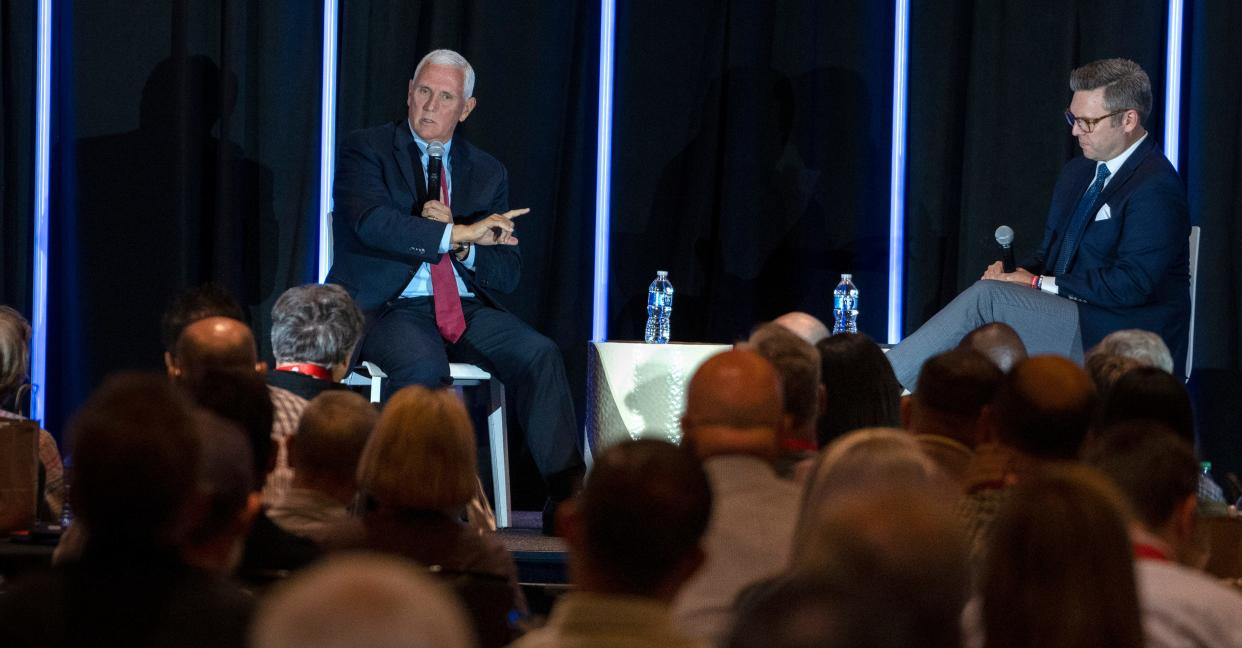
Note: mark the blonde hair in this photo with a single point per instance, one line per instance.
(422, 453)
(14, 351)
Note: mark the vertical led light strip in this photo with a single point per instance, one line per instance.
(43, 140)
(603, 172)
(897, 173)
(327, 137)
(1173, 84)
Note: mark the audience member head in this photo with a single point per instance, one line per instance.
(213, 343)
(1043, 408)
(1158, 474)
(797, 363)
(226, 490)
(207, 300)
(361, 600)
(953, 389)
(871, 456)
(1143, 346)
(1150, 393)
(1059, 570)
(813, 611)
(317, 324)
(896, 546)
(1106, 368)
(860, 387)
(636, 526)
(999, 342)
(733, 406)
(333, 431)
(239, 395)
(804, 325)
(14, 357)
(136, 463)
(421, 455)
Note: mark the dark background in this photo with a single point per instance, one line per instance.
(750, 156)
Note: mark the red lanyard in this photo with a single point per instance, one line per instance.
(315, 371)
(1149, 552)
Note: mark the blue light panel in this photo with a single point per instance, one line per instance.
(897, 173)
(43, 126)
(327, 137)
(1173, 84)
(603, 171)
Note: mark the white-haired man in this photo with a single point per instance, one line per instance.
(423, 263)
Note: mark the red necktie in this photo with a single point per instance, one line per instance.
(449, 317)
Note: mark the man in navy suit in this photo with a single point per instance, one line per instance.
(1114, 253)
(422, 262)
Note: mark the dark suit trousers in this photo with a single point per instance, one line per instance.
(405, 343)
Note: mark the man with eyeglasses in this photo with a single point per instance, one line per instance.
(1114, 253)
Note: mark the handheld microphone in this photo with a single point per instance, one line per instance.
(1004, 238)
(435, 155)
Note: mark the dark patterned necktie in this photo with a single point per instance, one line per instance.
(1079, 220)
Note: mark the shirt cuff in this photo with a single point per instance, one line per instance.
(447, 238)
(469, 260)
(1049, 285)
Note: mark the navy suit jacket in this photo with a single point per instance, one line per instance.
(379, 239)
(1130, 270)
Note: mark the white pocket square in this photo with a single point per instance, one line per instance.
(1104, 214)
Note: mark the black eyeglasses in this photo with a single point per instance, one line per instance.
(1087, 124)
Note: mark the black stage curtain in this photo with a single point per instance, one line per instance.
(1212, 146)
(751, 161)
(17, 127)
(989, 82)
(186, 150)
(536, 67)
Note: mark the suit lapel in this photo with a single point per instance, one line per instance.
(460, 171)
(401, 143)
(1114, 185)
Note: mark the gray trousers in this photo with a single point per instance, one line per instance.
(1047, 324)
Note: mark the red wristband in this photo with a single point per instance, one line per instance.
(1035, 281)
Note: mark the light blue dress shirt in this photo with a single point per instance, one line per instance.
(420, 285)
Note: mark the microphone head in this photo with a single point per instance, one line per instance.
(1004, 235)
(435, 149)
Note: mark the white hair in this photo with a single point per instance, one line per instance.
(452, 59)
(361, 600)
(1143, 346)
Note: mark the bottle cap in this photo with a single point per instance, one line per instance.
(847, 277)
(661, 273)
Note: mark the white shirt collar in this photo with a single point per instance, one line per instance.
(1114, 165)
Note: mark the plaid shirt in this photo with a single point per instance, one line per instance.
(287, 413)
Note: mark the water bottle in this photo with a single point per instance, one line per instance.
(659, 309)
(845, 306)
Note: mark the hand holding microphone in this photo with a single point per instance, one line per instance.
(434, 208)
(1004, 238)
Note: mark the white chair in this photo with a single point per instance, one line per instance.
(465, 375)
(1194, 272)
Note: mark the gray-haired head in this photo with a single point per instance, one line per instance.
(315, 323)
(1126, 85)
(452, 59)
(797, 363)
(1145, 347)
(361, 600)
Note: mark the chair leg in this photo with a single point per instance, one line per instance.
(497, 431)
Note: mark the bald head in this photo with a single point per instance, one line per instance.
(804, 325)
(733, 404)
(214, 343)
(1044, 406)
(999, 342)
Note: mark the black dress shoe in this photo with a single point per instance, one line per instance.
(549, 517)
